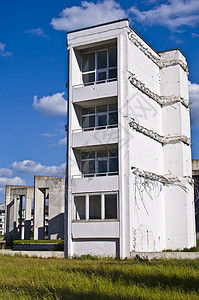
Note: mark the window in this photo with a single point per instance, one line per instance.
(95, 207)
(99, 66)
(79, 203)
(111, 206)
(96, 202)
(99, 163)
(99, 117)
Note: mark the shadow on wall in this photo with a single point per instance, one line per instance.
(11, 229)
(56, 227)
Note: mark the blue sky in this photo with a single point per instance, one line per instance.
(33, 72)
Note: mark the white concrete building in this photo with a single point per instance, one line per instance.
(129, 157)
(2, 218)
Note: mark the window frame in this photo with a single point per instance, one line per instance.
(102, 202)
(96, 71)
(96, 160)
(96, 115)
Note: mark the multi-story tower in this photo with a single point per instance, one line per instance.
(129, 159)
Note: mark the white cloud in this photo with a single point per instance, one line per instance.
(195, 34)
(4, 172)
(35, 168)
(194, 101)
(172, 15)
(88, 14)
(54, 105)
(62, 142)
(37, 31)
(3, 51)
(47, 135)
(12, 181)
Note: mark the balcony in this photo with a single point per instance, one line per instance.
(105, 89)
(94, 136)
(82, 184)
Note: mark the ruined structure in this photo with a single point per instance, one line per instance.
(2, 219)
(19, 201)
(49, 207)
(129, 160)
(36, 211)
(195, 174)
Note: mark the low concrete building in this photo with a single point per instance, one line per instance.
(195, 174)
(2, 219)
(36, 211)
(49, 200)
(19, 202)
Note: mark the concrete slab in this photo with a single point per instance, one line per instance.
(41, 254)
(162, 255)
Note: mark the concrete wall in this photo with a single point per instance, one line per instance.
(51, 188)
(14, 195)
(195, 172)
(2, 218)
(157, 147)
(56, 189)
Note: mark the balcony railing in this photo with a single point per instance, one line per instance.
(95, 128)
(94, 82)
(95, 174)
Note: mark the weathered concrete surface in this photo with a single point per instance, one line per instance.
(42, 254)
(56, 190)
(152, 92)
(14, 194)
(161, 255)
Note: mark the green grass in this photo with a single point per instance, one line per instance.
(34, 278)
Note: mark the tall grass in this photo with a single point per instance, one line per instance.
(35, 278)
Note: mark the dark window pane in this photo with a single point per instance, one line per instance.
(113, 164)
(79, 202)
(102, 166)
(101, 76)
(88, 110)
(91, 166)
(111, 206)
(102, 153)
(112, 106)
(112, 57)
(101, 108)
(88, 121)
(92, 121)
(88, 62)
(85, 167)
(112, 73)
(102, 59)
(113, 118)
(102, 120)
(91, 154)
(95, 207)
(88, 78)
(113, 153)
(86, 155)
(88, 167)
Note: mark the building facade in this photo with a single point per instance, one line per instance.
(195, 174)
(129, 184)
(36, 211)
(2, 219)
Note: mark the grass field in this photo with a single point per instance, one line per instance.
(34, 278)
